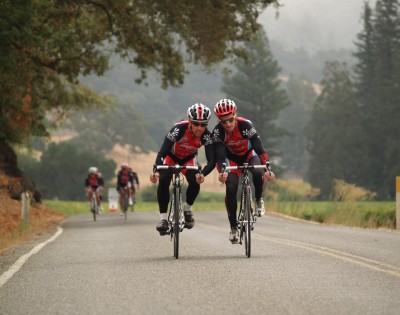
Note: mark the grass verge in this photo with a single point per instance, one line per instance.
(365, 214)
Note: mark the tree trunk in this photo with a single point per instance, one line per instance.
(16, 181)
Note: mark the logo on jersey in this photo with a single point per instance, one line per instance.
(207, 139)
(216, 135)
(172, 135)
(248, 133)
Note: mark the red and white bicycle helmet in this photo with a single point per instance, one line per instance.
(225, 107)
(199, 112)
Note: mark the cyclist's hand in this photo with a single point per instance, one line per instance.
(223, 177)
(154, 177)
(269, 176)
(199, 178)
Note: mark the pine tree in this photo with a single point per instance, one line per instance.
(294, 118)
(333, 132)
(255, 87)
(378, 91)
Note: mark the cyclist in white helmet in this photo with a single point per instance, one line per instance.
(180, 147)
(94, 183)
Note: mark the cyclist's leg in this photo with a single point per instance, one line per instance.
(232, 184)
(128, 190)
(98, 199)
(258, 181)
(121, 197)
(163, 198)
(191, 194)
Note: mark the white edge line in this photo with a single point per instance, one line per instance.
(19, 263)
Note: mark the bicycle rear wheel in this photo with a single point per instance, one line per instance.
(247, 222)
(176, 222)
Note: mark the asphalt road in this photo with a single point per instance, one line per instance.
(112, 267)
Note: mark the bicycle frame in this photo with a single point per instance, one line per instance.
(176, 220)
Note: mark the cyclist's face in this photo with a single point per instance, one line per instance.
(198, 128)
(228, 122)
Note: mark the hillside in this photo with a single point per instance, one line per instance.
(143, 165)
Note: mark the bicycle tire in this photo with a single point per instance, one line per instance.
(93, 207)
(126, 205)
(247, 225)
(176, 222)
(241, 216)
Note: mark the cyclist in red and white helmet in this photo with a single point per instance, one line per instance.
(180, 147)
(236, 141)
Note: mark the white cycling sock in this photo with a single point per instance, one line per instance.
(163, 216)
(188, 208)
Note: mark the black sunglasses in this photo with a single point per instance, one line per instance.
(197, 124)
(224, 122)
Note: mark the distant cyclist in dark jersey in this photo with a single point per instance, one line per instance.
(134, 187)
(236, 142)
(94, 183)
(125, 180)
(180, 147)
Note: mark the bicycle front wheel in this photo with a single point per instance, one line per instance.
(93, 207)
(126, 205)
(176, 222)
(247, 221)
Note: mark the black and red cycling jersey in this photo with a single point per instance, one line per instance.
(240, 145)
(94, 181)
(181, 145)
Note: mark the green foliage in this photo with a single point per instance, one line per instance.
(335, 138)
(47, 45)
(63, 168)
(100, 130)
(149, 193)
(291, 190)
(255, 88)
(378, 90)
(365, 214)
(294, 118)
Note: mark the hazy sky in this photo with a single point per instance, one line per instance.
(315, 24)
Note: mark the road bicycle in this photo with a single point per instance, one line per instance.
(176, 219)
(94, 207)
(125, 201)
(246, 217)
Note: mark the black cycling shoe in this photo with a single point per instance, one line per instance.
(189, 220)
(162, 227)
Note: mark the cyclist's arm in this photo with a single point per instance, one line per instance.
(101, 181)
(136, 179)
(174, 135)
(210, 156)
(258, 147)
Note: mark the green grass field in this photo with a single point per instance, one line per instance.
(366, 214)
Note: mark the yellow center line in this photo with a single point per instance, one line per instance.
(354, 259)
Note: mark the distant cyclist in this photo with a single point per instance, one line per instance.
(134, 186)
(236, 141)
(94, 183)
(124, 183)
(180, 147)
